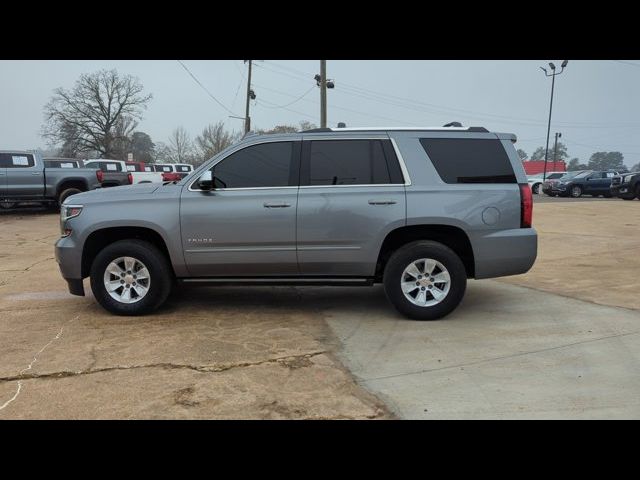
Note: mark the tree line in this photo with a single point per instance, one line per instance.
(597, 161)
(99, 117)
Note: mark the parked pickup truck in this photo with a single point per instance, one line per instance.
(626, 186)
(142, 174)
(24, 178)
(172, 172)
(114, 171)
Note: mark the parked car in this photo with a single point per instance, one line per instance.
(182, 169)
(114, 172)
(626, 186)
(419, 210)
(595, 183)
(24, 178)
(140, 174)
(535, 181)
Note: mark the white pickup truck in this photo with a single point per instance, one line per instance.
(137, 170)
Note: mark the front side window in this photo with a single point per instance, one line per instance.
(349, 162)
(469, 160)
(263, 165)
(16, 160)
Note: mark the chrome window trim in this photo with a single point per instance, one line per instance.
(403, 167)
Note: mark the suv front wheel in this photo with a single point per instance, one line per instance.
(131, 277)
(425, 280)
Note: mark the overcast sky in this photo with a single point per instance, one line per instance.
(596, 103)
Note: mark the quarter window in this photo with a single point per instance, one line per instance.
(469, 160)
(263, 165)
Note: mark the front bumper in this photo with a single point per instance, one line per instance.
(69, 258)
(554, 189)
(622, 191)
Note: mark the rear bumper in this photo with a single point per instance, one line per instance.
(69, 259)
(503, 253)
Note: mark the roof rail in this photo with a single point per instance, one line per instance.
(317, 130)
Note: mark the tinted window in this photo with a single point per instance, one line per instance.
(555, 175)
(16, 160)
(183, 168)
(60, 164)
(348, 162)
(469, 160)
(163, 168)
(264, 165)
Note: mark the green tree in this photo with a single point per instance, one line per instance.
(606, 161)
(561, 153)
(522, 154)
(575, 164)
(142, 147)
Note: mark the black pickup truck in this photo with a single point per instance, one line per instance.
(25, 178)
(626, 186)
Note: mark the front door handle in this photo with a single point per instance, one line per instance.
(382, 202)
(277, 205)
(35, 173)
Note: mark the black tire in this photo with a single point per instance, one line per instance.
(537, 188)
(638, 192)
(628, 198)
(575, 191)
(160, 273)
(411, 252)
(66, 194)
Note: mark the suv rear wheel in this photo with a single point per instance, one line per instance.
(131, 277)
(425, 280)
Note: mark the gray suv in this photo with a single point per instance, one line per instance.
(420, 210)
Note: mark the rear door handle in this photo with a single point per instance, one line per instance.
(277, 205)
(35, 173)
(382, 202)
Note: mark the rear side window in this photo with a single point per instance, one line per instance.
(352, 162)
(262, 165)
(469, 160)
(183, 168)
(16, 160)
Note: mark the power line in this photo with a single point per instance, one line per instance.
(412, 104)
(296, 100)
(633, 64)
(205, 88)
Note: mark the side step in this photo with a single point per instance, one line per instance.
(317, 281)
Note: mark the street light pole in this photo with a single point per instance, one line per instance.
(247, 118)
(553, 82)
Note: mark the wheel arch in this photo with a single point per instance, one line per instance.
(452, 236)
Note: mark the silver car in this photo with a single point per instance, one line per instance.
(420, 210)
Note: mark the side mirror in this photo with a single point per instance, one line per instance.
(205, 182)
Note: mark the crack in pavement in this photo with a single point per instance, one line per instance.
(167, 365)
(503, 357)
(35, 359)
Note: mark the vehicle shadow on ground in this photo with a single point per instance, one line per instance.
(346, 300)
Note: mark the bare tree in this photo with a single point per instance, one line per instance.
(87, 117)
(181, 146)
(214, 139)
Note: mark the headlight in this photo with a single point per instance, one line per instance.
(67, 212)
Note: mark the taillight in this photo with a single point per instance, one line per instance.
(99, 175)
(526, 206)
(130, 177)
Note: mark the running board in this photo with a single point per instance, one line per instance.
(316, 281)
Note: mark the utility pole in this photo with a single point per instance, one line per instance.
(323, 93)
(555, 149)
(250, 95)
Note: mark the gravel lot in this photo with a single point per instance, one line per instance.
(284, 352)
